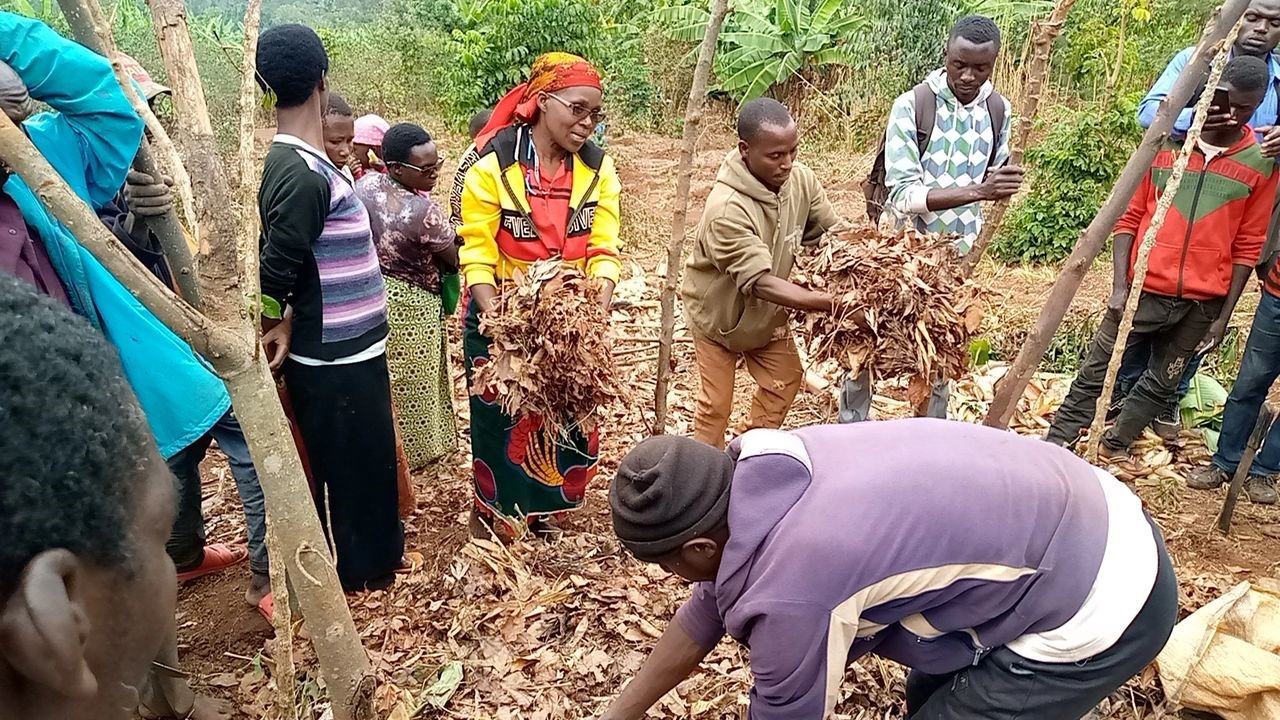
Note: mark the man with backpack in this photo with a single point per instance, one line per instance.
(945, 152)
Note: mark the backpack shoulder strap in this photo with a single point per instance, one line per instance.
(926, 115)
(996, 109)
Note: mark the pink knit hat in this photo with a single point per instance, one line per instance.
(370, 129)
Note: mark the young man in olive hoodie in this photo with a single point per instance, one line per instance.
(763, 207)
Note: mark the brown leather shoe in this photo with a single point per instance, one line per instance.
(1262, 490)
(1207, 478)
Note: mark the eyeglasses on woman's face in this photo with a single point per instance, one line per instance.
(429, 170)
(580, 111)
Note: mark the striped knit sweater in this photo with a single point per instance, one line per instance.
(318, 254)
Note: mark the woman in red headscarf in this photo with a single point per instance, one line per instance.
(532, 188)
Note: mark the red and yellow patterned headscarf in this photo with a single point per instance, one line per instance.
(550, 72)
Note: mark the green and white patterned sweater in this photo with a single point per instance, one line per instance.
(957, 155)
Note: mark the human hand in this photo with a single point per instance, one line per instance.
(1270, 140)
(1002, 183)
(1220, 119)
(1213, 338)
(276, 338)
(145, 197)
(1119, 297)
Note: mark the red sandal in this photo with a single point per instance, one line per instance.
(217, 557)
(267, 608)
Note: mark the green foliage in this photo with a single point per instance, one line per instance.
(1072, 169)
(499, 39)
(1202, 408)
(766, 43)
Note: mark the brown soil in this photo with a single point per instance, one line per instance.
(457, 604)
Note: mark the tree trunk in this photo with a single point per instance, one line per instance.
(692, 126)
(1149, 240)
(1045, 32)
(89, 25)
(1010, 389)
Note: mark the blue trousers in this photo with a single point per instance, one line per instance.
(186, 544)
(1258, 369)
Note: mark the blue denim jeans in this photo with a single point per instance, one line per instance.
(1258, 369)
(186, 543)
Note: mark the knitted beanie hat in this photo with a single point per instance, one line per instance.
(668, 491)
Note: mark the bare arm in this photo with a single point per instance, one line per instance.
(1239, 278)
(771, 288)
(674, 658)
(486, 295)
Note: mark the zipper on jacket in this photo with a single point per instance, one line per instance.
(1191, 223)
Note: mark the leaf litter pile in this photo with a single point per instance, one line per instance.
(920, 312)
(551, 354)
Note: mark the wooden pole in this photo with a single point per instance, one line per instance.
(1148, 241)
(89, 25)
(1011, 387)
(1045, 32)
(675, 251)
(1266, 417)
(232, 301)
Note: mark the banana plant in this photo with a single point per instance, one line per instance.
(766, 43)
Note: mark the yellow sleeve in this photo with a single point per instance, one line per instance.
(603, 245)
(481, 213)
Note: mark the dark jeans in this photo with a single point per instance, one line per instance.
(1258, 369)
(1137, 356)
(1174, 327)
(1007, 686)
(186, 543)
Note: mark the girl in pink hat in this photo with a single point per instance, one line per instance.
(368, 144)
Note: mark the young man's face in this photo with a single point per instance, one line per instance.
(969, 66)
(1244, 103)
(1260, 31)
(771, 153)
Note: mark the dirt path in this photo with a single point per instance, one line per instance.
(551, 632)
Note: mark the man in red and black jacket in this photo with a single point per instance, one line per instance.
(1202, 258)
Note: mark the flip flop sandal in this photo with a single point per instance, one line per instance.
(217, 557)
(267, 609)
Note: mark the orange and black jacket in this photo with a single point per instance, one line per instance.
(492, 213)
(1218, 219)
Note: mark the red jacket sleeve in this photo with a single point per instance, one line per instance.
(1251, 236)
(1141, 204)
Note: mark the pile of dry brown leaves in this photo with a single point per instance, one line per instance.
(920, 312)
(551, 354)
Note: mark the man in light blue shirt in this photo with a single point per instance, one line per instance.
(1259, 36)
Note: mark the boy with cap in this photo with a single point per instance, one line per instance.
(1014, 578)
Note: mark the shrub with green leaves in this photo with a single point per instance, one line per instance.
(1072, 168)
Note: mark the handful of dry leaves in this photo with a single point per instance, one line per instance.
(551, 352)
(920, 313)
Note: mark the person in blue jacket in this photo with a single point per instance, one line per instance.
(90, 139)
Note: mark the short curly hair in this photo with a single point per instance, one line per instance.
(291, 62)
(400, 141)
(338, 106)
(977, 29)
(73, 441)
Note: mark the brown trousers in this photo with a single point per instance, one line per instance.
(776, 369)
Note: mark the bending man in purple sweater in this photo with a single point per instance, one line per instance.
(1015, 579)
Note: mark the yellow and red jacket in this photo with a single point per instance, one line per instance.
(492, 213)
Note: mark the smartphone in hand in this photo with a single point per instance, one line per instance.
(1221, 100)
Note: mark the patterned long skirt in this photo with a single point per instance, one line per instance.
(417, 355)
(522, 471)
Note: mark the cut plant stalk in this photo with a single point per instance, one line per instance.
(1149, 240)
(1009, 390)
(684, 173)
(90, 26)
(1045, 32)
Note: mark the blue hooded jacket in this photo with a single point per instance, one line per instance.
(90, 139)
